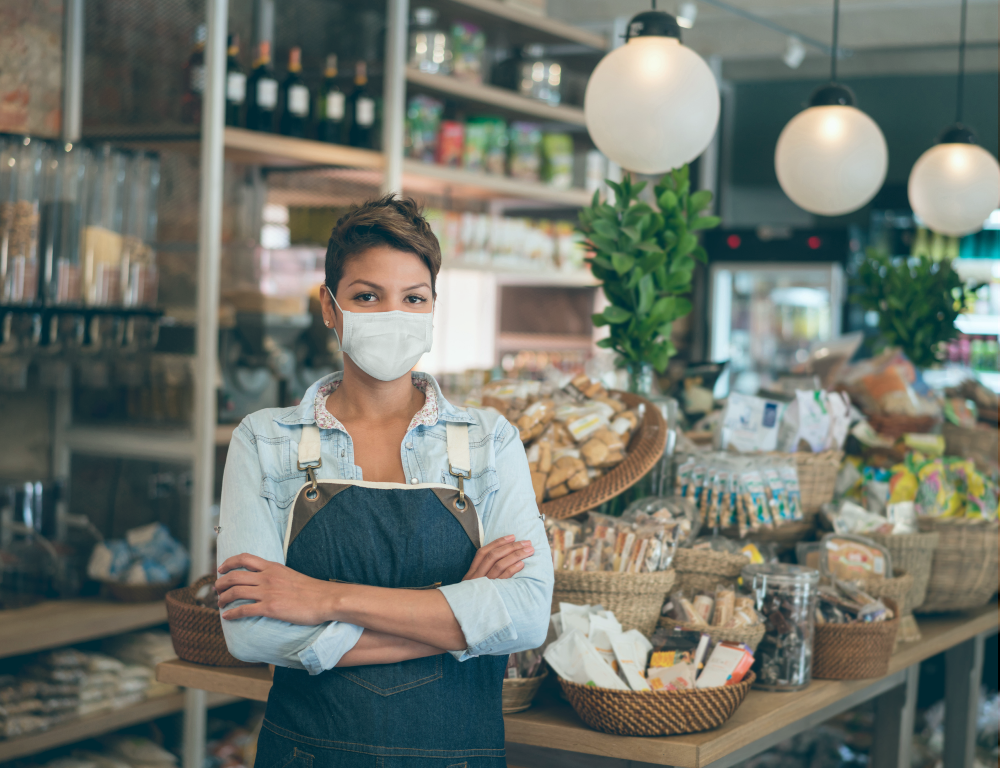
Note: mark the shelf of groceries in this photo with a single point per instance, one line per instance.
(552, 723)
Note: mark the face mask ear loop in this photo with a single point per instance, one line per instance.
(334, 300)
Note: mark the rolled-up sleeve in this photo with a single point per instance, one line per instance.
(246, 525)
(502, 616)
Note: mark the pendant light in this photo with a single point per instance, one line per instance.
(652, 104)
(955, 185)
(831, 158)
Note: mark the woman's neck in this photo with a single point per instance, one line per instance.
(363, 397)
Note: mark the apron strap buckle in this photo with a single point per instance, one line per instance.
(462, 476)
(310, 469)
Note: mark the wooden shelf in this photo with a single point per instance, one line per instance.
(552, 723)
(274, 150)
(101, 723)
(57, 623)
(501, 99)
(518, 26)
(443, 180)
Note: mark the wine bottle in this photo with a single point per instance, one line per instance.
(262, 91)
(194, 79)
(294, 97)
(330, 105)
(236, 83)
(361, 107)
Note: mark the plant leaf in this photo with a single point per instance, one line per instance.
(622, 262)
(616, 315)
(667, 200)
(699, 201)
(706, 222)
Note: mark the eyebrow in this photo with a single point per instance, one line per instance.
(378, 287)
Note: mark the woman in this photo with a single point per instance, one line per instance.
(353, 529)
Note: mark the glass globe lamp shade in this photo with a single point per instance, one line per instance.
(831, 159)
(652, 105)
(954, 187)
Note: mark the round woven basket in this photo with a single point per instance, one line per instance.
(644, 450)
(634, 598)
(817, 478)
(196, 630)
(137, 593)
(854, 651)
(964, 567)
(665, 713)
(895, 589)
(913, 553)
(702, 570)
(897, 426)
(748, 635)
(519, 692)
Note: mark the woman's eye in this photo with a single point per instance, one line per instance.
(415, 299)
(365, 297)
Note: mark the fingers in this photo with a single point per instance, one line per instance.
(510, 560)
(234, 578)
(497, 554)
(238, 593)
(512, 570)
(485, 550)
(242, 611)
(246, 560)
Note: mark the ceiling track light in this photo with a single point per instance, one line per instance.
(652, 104)
(955, 185)
(831, 158)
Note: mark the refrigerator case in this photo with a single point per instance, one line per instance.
(764, 317)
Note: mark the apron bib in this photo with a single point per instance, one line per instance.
(433, 711)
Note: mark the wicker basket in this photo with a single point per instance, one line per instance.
(897, 426)
(817, 479)
(854, 651)
(196, 630)
(644, 450)
(666, 713)
(702, 570)
(519, 692)
(913, 553)
(749, 635)
(895, 589)
(634, 598)
(137, 593)
(981, 444)
(964, 568)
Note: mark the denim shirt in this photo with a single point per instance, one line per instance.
(261, 481)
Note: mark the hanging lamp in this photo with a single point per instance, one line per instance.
(955, 185)
(831, 158)
(652, 104)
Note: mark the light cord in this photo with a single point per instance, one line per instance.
(960, 96)
(836, 31)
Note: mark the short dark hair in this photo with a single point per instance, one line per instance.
(396, 222)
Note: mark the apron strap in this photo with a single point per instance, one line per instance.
(309, 449)
(458, 447)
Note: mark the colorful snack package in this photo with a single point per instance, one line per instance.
(790, 478)
(725, 606)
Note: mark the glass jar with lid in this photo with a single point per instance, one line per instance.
(785, 596)
(139, 275)
(21, 161)
(430, 47)
(61, 219)
(101, 238)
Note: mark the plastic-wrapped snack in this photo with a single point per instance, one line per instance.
(704, 606)
(577, 558)
(789, 474)
(774, 491)
(683, 481)
(725, 606)
(757, 507)
(686, 612)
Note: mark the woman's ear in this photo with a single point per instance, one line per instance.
(327, 306)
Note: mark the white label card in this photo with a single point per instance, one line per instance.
(267, 93)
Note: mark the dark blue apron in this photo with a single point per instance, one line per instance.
(433, 712)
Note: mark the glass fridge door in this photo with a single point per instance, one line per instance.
(764, 317)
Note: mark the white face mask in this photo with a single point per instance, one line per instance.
(385, 345)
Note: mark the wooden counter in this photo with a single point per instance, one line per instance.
(553, 724)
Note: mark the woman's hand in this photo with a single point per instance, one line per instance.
(278, 592)
(500, 559)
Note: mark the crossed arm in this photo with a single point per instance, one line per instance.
(399, 624)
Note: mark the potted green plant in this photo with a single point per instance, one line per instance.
(644, 256)
(917, 300)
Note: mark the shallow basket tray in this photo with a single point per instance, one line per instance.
(854, 651)
(634, 598)
(137, 593)
(644, 450)
(817, 478)
(964, 567)
(749, 635)
(518, 693)
(913, 553)
(702, 570)
(665, 713)
(196, 630)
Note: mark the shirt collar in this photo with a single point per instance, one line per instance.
(305, 412)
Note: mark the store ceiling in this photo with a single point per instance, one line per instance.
(882, 37)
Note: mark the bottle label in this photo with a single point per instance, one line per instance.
(236, 87)
(198, 78)
(365, 112)
(298, 100)
(267, 93)
(335, 106)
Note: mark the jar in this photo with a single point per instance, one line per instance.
(430, 47)
(138, 259)
(785, 596)
(539, 78)
(21, 161)
(61, 218)
(101, 239)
